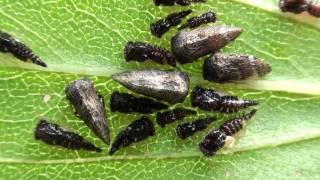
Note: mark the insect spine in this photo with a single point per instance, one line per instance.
(53, 134)
(141, 51)
(171, 116)
(219, 138)
(198, 20)
(18, 49)
(89, 107)
(137, 131)
(190, 128)
(210, 100)
(126, 103)
(163, 25)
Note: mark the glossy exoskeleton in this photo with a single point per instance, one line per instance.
(171, 116)
(210, 100)
(137, 131)
(190, 128)
(199, 20)
(53, 134)
(18, 49)
(140, 51)
(126, 103)
(89, 106)
(163, 25)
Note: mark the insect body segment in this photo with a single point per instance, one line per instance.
(210, 100)
(53, 134)
(199, 20)
(300, 6)
(18, 49)
(162, 26)
(178, 2)
(89, 107)
(171, 116)
(126, 103)
(141, 51)
(137, 131)
(190, 128)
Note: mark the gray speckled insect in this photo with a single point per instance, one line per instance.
(189, 45)
(222, 137)
(18, 49)
(224, 67)
(170, 86)
(53, 134)
(89, 106)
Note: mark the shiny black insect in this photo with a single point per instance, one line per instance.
(140, 51)
(314, 9)
(210, 100)
(171, 116)
(53, 134)
(190, 128)
(139, 130)
(178, 2)
(89, 106)
(293, 6)
(126, 103)
(18, 49)
(199, 20)
(163, 25)
(219, 138)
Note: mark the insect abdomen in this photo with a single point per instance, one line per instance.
(188, 129)
(231, 104)
(171, 116)
(214, 141)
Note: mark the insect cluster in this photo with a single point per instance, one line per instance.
(300, 6)
(162, 88)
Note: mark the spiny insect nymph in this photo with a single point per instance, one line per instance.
(163, 25)
(224, 67)
(126, 103)
(140, 51)
(137, 131)
(189, 45)
(89, 106)
(18, 49)
(199, 20)
(171, 116)
(222, 136)
(190, 128)
(174, 2)
(53, 134)
(210, 100)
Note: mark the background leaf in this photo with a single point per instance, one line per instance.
(78, 39)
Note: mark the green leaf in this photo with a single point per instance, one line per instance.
(78, 39)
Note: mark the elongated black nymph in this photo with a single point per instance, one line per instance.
(126, 103)
(137, 131)
(199, 20)
(171, 116)
(176, 2)
(210, 100)
(190, 128)
(140, 51)
(89, 107)
(53, 134)
(163, 25)
(218, 138)
(18, 49)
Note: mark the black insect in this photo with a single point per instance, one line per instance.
(210, 100)
(163, 25)
(199, 20)
(53, 134)
(126, 103)
(140, 51)
(293, 6)
(233, 126)
(190, 128)
(139, 130)
(225, 67)
(18, 49)
(314, 9)
(171, 116)
(89, 106)
(178, 2)
(221, 137)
